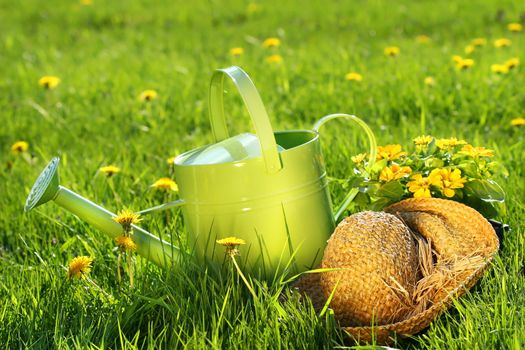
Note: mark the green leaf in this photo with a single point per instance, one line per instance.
(381, 203)
(486, 190)
(392, 190)
(469, 168)
(378, 166)
(434, 163)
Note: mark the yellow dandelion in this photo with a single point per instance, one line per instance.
(420, 186)
(389, 152)
(165, 183)
(79, 267)
(19, 147)
(359, 158)
(457, 59)
(49, 81)
(476, 152)
(499, 68)
(517, 121)
(503, 42)
(469, 49)
(515, 27)
(271, 43)
(236, 51)
(148, 95)
(447, 180)
(353, 76)
(86, 2)
(429, 81)
(109, 170)
(274, 59)
(171, 160)
(126, 218)
(394, 172)
(478, 42)
(231, 244)
(391, 51)
(512, 63)
(423, 39)
(449, 144)
(125, 243)
(465, 63)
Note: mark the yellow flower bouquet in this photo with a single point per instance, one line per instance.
(442, 168)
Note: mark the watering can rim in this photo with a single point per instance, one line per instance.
(242, 161)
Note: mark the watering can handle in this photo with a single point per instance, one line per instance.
(373, 152)
(255, 107)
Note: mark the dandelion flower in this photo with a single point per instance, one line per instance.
(271, 43)
(476, 152)
(457, 58)
(19, 147)
(478, 42)
(236, 51)
(274, 59)
(126, 218)
(420, 186)
(165, 183)
(465, 63)
(171, 160)
(148, 95)
(423, 39)
(448, 180)
(503, 42)
(499, 68)
(109, 170)
(359, 158)
(391, 51)
(389, 152)
(394, 172)
(517, 121)
(449, 144)
(79, 266)
(353, 76)
(429, 81)
(126, 243)
(231, 244)
(49, 82)
(515, 27)
(512, 63)
(470, 49)
(86, 2)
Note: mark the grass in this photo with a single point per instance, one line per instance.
(106, 54)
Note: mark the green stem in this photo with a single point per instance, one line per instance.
(244, 278)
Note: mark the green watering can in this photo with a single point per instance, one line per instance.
(269, 189)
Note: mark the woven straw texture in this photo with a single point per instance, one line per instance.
(454, 231)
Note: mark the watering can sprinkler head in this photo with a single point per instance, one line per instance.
(47, 187)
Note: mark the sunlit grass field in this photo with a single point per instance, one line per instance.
(106, 53)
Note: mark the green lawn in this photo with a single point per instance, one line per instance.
(107, 53)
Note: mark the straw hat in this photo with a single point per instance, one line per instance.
(399, 282)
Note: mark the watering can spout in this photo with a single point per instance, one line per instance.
(47, 187)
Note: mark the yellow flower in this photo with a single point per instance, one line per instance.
(79, 266)
(19, 147)
(423, 39)
(49, 81)
(448, 180)
(86, 2)
(274, 59)
(236, 51)
(517, 121)
(499, 68)
(512, 63)
(126, 218)
(422, 142)
(420, 186)
(148, 95)
(125, 243)
(429, 81)
(465, 63)
(391, 51)
(476, 152)
(109, 170)
(389, 152)
(515, 27)
(231, 244)
(503, 42)
(359, 158)
(448, 144)
(171, 160)
(470, 49)
(478, 42)
(394, 172)
(253, 8)
(457, 59)
(353, 76)
(271, 42)
(165, 183)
